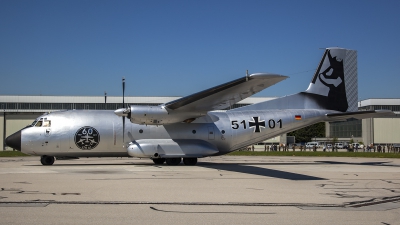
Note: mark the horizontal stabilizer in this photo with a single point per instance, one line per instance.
(361, 115)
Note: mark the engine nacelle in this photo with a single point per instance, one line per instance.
(168, 148)
(144, 114)
(156, 115)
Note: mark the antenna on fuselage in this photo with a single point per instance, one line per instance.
(247, 75)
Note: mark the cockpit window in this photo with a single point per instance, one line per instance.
(47, 123)
(34, 123)
(39, 123)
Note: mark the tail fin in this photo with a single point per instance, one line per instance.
(334, 85)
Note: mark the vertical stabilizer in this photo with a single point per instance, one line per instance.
(335, 80)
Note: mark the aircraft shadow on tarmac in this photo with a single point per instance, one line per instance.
(253, 170)
(248, 169)
(359, 164)
(232, 167)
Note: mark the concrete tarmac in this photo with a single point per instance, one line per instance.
(218, 190)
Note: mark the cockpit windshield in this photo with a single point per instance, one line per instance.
(34, 123)
(38, 122)
(41, 122)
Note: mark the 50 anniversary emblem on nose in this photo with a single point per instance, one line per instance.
(87, 138)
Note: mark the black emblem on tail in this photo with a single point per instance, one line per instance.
(333, 77)
(329, 89)
(87, 138)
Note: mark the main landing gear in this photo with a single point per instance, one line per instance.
(175, 161)
(47, 160)
(159, 161)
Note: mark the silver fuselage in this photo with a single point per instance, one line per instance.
(225, 131)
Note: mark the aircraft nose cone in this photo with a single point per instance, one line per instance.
(14, 141)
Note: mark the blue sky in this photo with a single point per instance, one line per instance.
(176, 48)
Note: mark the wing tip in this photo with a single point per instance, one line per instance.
(267, 76)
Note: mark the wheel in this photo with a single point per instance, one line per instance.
(173, 161)
(190, 161)
(159, 161)
(47, 160)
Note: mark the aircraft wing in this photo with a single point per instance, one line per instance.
(361, 115)
(224, 95)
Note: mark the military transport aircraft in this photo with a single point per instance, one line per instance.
(196, 126)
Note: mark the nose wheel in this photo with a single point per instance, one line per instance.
(46, 160)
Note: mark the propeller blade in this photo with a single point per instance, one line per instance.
(123, 105)
(123, 129)
(123, 92)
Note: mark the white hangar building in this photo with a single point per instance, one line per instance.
(17, 112)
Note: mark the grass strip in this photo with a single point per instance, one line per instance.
(319, 154)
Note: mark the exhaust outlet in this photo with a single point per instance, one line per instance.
(156, 155)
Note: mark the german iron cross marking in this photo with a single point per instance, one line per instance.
(257, 123)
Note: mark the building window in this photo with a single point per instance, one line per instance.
(34, 105)
(11, 106)
(45, 106)
(347, 129)
(24, 106)
(57, 106)
(67, 106)
(79, 106)
(100, 106)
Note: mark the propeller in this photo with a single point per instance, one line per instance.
(123, 106)
(124, 112)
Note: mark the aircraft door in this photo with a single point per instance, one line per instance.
(46, 140)
(47, 132)
(47, 127)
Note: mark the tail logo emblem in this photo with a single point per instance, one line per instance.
(331, 76)
(329, 81)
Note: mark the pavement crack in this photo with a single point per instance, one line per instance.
(206, 212)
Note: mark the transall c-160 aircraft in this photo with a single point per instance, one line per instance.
(195, 126)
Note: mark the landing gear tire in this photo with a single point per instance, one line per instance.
(159, 161)
(190, 161)
(173, 161)
(47, 160)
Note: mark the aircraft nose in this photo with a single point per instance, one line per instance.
(14, 141)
